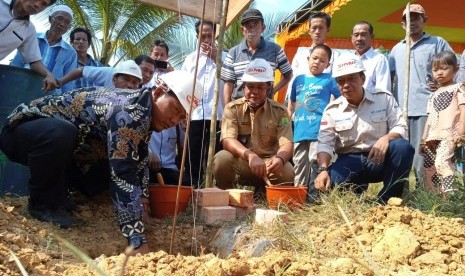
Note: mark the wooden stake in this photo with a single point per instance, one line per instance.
(407, 64)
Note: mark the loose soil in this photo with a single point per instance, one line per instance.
(394, 240)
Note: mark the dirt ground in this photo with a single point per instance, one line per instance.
(394, 241)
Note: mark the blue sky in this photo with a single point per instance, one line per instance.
(270, 6)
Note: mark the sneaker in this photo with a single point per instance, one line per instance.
(58, 217)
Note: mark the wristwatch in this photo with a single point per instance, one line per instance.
(136, 240)
(321, 169)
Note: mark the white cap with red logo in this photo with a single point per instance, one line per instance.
(258, 70)
(181, 83)
(347, 64)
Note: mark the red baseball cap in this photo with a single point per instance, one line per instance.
(414, 8)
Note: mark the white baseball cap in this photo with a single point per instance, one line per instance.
(258, 70)
(128, 67)
(181, 83)
(347, 64)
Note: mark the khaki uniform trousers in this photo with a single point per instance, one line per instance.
(226, 168)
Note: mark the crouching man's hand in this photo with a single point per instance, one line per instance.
(257, 165)
(323, 181)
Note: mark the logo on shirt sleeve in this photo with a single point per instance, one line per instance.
(285, 120)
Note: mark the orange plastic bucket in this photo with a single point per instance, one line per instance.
(163, 199)
(292, 197)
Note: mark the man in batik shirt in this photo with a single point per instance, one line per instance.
(94, 139)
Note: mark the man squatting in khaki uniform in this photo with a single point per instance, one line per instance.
(256, 134)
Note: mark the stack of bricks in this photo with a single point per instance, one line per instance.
(214, 204)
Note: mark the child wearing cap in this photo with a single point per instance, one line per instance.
(310, 94)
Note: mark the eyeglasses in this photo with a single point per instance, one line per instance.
(61, 19)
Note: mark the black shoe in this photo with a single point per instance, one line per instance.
(59, 216)
(70, 206)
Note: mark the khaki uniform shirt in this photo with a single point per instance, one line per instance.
(262, 131)
(346, 128)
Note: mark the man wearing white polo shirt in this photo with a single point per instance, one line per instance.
(377, 72)
(199, 134)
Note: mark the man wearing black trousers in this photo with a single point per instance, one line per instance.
(199, 134)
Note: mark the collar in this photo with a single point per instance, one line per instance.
(425, 36)
(12, 3)
(244, 46)
(90, 60)
(204, 55)
(265, 105)
(43, 36)
(342, 101)
(368, 54)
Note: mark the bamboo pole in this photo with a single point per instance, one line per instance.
(407, 77)
(407, 64)
(183, 160)
(219, 61)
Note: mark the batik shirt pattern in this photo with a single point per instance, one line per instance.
(114, 127)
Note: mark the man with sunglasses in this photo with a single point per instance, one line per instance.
(91, 140)
(58, 55)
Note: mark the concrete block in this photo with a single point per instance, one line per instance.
(243, 211)
(211, 197)
(265, 216)
(217, 214)
(240, 198)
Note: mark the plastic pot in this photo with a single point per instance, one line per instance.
(163, 199)
(292, 197)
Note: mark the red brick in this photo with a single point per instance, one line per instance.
(217, 214)
(265, 216)
(240, 198)
(211, 197)
(243, 211)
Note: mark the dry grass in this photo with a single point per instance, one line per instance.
(82, 256)
(294, 234)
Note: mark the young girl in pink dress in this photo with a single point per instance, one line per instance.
(445, 127)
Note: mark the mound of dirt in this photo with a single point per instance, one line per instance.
(390, 240)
